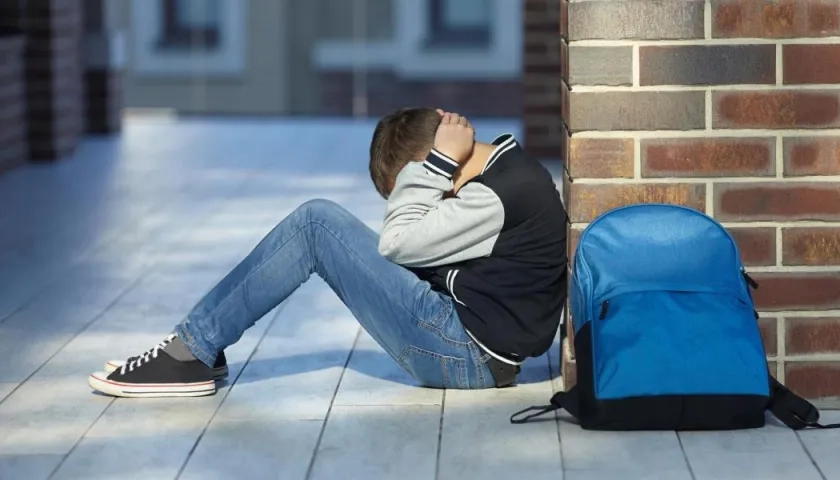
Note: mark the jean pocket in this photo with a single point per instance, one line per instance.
(433, 369)
(446, 324)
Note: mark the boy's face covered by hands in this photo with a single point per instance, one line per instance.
(455, 137)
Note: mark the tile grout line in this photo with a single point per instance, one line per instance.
(73, 448)
(111, 402)
(230, 388)
(141, 276)
(45, 285)
(87, 325)
(148, 271)
(314, 458)
(554, 392)
(685, 456)
(440, 435)
(810, 457)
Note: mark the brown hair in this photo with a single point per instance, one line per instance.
(400, 137)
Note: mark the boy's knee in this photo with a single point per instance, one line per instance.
(319, 207)
(320, 210)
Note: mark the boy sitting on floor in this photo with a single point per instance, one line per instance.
(466, 281)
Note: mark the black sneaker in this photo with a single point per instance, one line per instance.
(156, 373)
(220, 368)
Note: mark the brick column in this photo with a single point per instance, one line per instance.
(53, 77)
(543, 77)
(12, 100)
(12, 103)
(104, 62)
(731, 107)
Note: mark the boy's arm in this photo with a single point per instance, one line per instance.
(423, 230)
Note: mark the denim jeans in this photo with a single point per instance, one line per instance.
(417, 326)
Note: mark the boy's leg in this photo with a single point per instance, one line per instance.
(414, 324)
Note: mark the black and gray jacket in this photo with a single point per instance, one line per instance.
(498, 247)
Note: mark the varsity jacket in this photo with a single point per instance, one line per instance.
(498, 247)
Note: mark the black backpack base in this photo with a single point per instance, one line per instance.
(684, 412)
(655, 412)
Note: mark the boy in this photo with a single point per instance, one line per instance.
(467, 280)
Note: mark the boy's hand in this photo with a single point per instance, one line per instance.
(455, 137)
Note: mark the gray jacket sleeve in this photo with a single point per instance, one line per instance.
(422, 229)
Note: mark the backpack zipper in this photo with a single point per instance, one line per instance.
(605, 305)
(750, 281)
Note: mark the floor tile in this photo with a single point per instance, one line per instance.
(374, 378)
(772, 452)
(152, 438)
(593, 455)
(379, 442)
(822, 445)
(479, 441)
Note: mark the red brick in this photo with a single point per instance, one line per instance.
(814, 380)
(708, 157)
(805, 336)
(589, 201)
(812, 156)
(811, 246)
(778, 109)
(601, 157)
(797, 291)
(775, 19)
(777, 201)
(768, 335)
(811, 64)
(707, 64)
(757, 245)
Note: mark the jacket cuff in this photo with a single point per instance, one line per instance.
(440, 164)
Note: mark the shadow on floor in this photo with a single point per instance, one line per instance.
(367, 362)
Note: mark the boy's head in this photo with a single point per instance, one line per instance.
(400, 137)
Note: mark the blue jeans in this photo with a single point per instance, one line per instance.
(418, 327)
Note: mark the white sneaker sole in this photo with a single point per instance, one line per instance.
(99, 382)
(219, 373)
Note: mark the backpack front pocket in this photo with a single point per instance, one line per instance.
(676, 343)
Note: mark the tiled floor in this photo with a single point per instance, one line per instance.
(101, 254)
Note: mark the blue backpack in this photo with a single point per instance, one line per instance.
(665, 329)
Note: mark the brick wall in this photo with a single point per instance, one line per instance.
(103, 68)
(53, 76)
(731, 107)
(544, 132)
(12, 103)
(386, 92)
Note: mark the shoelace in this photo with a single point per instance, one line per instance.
(147, 355)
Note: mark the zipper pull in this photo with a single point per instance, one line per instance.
(750, 281)
(605, 305)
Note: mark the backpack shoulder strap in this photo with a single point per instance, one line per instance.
(561, 400)
(793, 410)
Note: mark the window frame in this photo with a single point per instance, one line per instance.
(175, 35)
(443, 35)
